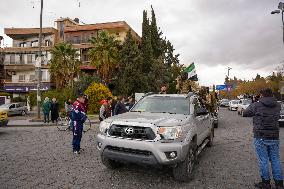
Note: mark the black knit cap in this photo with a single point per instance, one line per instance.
(266, 92)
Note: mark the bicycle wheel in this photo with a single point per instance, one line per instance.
(63, 123)
(87, 125)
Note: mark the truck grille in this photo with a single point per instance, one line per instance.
(132, 132)
(129, 150)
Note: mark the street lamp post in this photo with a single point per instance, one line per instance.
(229, 71)
(38, 66)
(278, 11)
(228, 91)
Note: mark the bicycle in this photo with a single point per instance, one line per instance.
(63, 124)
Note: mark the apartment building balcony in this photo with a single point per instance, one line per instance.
(19, 33)
(26, 49)
(22, 67)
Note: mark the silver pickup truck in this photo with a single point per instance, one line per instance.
(161, 129)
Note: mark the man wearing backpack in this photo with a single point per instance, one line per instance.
(266, 113)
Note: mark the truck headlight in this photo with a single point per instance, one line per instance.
(104, 126)
(170, 133)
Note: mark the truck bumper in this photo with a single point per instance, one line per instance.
(141, 152)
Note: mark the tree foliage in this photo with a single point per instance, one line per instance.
(64, 65)
(253, 86)
(84, 81)
(130, 76)
(104, 55)
(160, 64)
(97, 92)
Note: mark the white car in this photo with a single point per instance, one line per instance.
(243, 104)
(233, 105)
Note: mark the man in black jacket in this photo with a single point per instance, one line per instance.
(266, 113)
(120, 107)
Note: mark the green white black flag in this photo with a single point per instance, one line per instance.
(191, 72)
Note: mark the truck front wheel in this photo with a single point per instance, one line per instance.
(184, 170)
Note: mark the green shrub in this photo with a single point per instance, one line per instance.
(32, 96)
(5, 94)
(60, 95)
(97, 92)
(18, 99)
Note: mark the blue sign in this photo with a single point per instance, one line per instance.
(221, 87)
(224, 87)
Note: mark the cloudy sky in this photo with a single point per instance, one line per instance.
(241, 34)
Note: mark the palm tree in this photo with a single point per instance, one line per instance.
(104, 55)
(64, 65)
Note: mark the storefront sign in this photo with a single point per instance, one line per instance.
(25, 89)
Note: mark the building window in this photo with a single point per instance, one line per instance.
(76, 40)
(47, 43)
(85, 57)
(22, 61)
(32, 77)
(12, 59)
(22, 78)
(24, 44)
(34, 43)
(30, 59)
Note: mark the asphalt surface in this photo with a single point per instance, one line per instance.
(41, 157)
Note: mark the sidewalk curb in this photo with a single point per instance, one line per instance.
(44, 125)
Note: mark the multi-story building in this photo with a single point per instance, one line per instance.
(2, 71)
(80, 35)
(19, 60)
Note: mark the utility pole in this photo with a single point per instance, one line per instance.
(38, 66)
(278, 11)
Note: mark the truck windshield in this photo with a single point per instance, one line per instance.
(160, 104)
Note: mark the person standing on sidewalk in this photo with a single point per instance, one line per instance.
(120, 107)
(78, 117)
(266, 113)
(54, 110)
(46, 109)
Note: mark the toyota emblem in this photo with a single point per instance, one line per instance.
(129, 130)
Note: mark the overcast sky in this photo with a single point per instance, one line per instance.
(215, 34)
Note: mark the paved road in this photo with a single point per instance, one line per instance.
(42, 158)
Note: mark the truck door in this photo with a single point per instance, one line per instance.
(202, 122)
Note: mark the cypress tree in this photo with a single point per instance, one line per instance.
(146, 46)
(131, 78)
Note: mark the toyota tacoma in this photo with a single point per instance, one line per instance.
(161, 129)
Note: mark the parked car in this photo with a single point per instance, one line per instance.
(161, 129)
(3, 119)
(14, 109)
(281, 120)
(243, 104)
(224, 103)
(233, 105)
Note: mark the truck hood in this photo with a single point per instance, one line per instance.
(158, 119)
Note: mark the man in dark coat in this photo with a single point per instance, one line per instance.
(266, 113)
(120, 107)
(54, 110)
